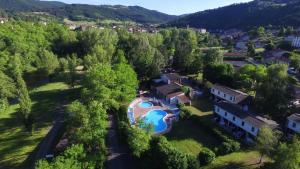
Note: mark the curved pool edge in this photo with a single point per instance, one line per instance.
(164, 120)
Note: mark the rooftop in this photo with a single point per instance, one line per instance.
(173, 76)
(251, 118)
(239, 96)
(295, 117)
(169, 89)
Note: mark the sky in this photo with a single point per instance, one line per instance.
(174, 7)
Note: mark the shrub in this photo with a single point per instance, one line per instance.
(206, 156)
(138, 141)
(185, 113)
(192, 162)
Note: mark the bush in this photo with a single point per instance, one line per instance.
(185, 113)
(192, 162)
(206, 156)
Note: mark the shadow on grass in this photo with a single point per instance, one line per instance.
(231, 165)
(13, 135)
(192, 129)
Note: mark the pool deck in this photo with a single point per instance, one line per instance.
(140, 111)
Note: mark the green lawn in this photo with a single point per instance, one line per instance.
(238, 160)
(190, 135)
(16, 144)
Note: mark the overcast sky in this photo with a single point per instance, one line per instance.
(175, 7)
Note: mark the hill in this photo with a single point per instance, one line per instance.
(245, 15)
(87, 12)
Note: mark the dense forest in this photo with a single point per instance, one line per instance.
(113, 62)
(245, 15)
(87, 12)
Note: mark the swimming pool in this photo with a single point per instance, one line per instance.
(156, 117)
(145, 104)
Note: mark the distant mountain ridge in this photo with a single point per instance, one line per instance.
(245, 15)
(87, 12)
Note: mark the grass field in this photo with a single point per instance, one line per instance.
(17, 145)
(190, 136)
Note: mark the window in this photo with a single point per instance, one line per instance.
(213, 90)
(225, 113)
(243, 123)
(218, 92)
(294, 125)
(230, 98)
(233, 118)
(252, 129)
(224, 95)
(218, 109)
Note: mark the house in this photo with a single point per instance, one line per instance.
(171, 78)
(172, 94)
(232, 96)
(293, 124)
(296, 101)
(241, 45)
(275, 56)
(296, 42)
(234, 55)
(3, 20)
(242, 124)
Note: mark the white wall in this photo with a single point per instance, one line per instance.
(221, 95)
(165, 79)
(238, 122)
(290, 126)
(296, 42)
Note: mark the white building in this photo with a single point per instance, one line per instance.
(296, 42)
(230, 95)
(293, 124)
(242, 124)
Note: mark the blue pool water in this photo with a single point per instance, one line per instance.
(155, 117)
(145, 104)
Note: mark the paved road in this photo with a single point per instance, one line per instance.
(118, 157)
(47, 142)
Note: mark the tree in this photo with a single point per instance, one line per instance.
(139, 141)
(270, 45)
(287, 156)
(249, 77)
(295, 61)
(275, 93)
(213, 56)
(23, 94)
(251, 49)
(72, 74)
(266, 141)
(219, 73)
(260, 31)
(7, 89)
(47, 62)
(74, 157)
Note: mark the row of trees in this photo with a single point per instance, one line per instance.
(105, 87)
(285, 155)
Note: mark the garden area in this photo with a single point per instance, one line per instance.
(198, 131)
(17, 144)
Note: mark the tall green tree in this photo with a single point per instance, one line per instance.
(287, 156)
(23, 94)
(275, 93)
(266, 141)
(47, 62)
(250, 49)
